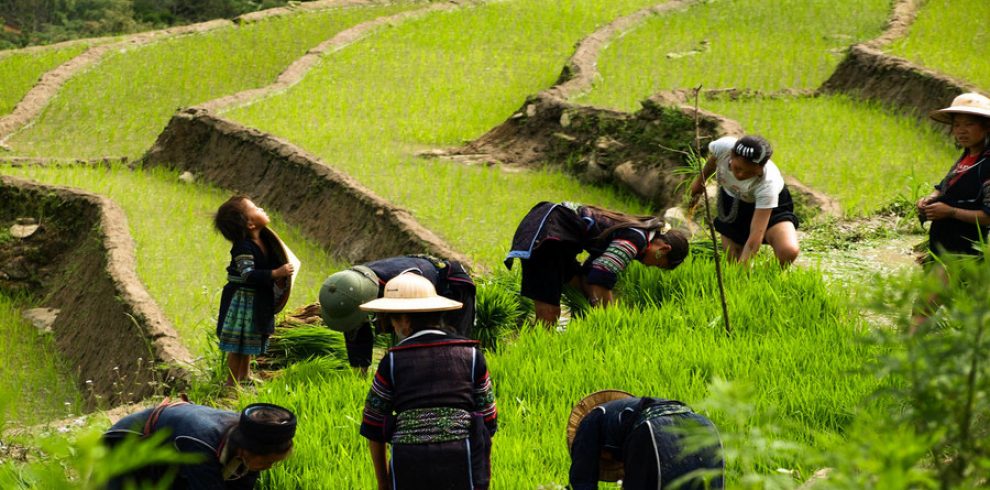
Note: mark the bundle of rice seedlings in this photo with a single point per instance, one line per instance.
(498, 311)
(293, 343)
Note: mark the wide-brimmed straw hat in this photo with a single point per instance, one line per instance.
(608, 470)
(410, 293)
(969, 103)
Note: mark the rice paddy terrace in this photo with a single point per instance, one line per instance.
(332, 106)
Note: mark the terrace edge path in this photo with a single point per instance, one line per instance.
(582, 67)
(33, 102)
(869, 73)
(299, 68)
(119, 341)
(350, 220)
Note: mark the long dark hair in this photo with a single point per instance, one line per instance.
(622, 220)
(230, 220)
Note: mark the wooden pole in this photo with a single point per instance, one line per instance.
(708, 213)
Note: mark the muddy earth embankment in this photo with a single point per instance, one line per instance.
(329, 206)
(80, 260)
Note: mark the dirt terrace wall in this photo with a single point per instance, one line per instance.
(329, 206)
(634, 151)
(109, 328)
(870, 74)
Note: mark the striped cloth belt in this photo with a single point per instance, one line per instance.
(661, 410)
(430, 425)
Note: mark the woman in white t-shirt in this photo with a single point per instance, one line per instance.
(754, 205)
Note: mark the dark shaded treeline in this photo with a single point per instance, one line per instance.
(30, 22)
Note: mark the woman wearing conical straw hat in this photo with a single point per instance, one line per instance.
(431, 397)
(959, 207)
(648, 443)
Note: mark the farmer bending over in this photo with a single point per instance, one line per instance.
(550, 237)
(754, 205)
(343, 292)
(233, 447)
(641, 441)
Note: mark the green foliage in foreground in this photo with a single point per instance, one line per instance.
(743, 44)
(181, 260)
(856, 152)
(794, 342)
(32, 369)
(121, 105)
(21, 71)
(435, 82)
(948, 36)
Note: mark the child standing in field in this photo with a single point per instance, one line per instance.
(247, 305)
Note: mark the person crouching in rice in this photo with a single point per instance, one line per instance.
(431, 397)
(754, 205)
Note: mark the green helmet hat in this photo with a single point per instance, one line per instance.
(341, 297)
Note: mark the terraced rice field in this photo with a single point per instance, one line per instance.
(20, 71)
(180, 259)
(947, 36)
(743, 44)
(120, 106)
(436, 82)
(444, 78)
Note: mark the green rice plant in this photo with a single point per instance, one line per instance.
(742, 44)
(295, 343)
(21, 71)
(796, 342)
(498, 310)
(437, 81)
(32, 371)
(180, 258)
(119, 106)
(946, 36)
(854, 151)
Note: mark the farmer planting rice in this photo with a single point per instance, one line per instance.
(233, 448)
(343, 293)
(641, 441)
(551, 236)
(431, 397)
(754, 205)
